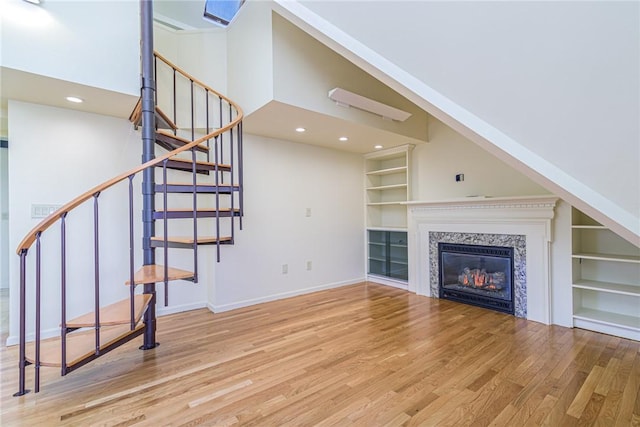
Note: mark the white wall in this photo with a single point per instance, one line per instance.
(250, 57)
(538, 84)
(447, 154)
(283, 180)
(203, 54)
(66, 154)
(305, 71)
(4, 218)
(74, 41)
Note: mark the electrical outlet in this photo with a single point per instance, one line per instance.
(460, 177)
(285, 268)
(308, 212)
(43, 211)
(309, 265)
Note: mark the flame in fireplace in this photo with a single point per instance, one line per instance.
(481, 279)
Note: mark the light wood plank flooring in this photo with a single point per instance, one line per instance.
(363, 355)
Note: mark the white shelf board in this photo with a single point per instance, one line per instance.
(614, 288)
(399, 203)
(388, 187)
(608, 257)
(589, 227)
(608, 318)
(388, 171)
(389, 228)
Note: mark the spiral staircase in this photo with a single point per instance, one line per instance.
(199, 134)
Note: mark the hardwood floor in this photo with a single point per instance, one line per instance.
(363, 355)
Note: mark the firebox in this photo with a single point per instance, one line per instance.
(477, 275)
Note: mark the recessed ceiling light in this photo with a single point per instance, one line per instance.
(300, 130)
(74, 99)
(377, 147)
(343, 138)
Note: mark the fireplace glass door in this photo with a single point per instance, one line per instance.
(477, 275)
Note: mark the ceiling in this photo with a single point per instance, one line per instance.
(278, 120)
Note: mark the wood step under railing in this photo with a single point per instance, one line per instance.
(162, 120)
(187, 242)
(154, 273)
(202, 167)
(184, 187)
(167, 140)
(81, 345)
(200, 213)
(118, 313)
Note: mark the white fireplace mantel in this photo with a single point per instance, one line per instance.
(529, 216)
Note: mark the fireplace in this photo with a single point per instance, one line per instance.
(477, 275)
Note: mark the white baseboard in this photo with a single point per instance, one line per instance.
(164, 311)
(47, 333)
(388, 282)
(240, 304)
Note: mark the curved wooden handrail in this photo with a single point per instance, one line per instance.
(30, 238)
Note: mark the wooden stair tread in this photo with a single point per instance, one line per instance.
(154, 273)
(198, 210)
(183, 141)
(189, 240)
(162, 120)
(188, 184)
(114, 314)
(80, 345)
(200, 162)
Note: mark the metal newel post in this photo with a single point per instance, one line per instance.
(148, 141)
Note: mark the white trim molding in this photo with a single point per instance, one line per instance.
(527, 216)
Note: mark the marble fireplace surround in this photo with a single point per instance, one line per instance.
(521, 222)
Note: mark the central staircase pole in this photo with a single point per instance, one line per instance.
(148, 143)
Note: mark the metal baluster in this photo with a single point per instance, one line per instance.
(96, 290)
(165, 226)
(155, 79)
(131, 257)
(38, 306)
(175, 109)
(217, 179)
(63, 286)
(22, 364)
(193, 124)
(195, 215)
(232, 196)
(240, 174)
(221, 142)
(206, 98)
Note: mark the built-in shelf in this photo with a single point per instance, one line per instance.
(608, 257)
(608, 318)
(384, 204)
(614, 288)
(606, 279)
(589, 227)
(387, 190)
(388, 187)
(388, 171)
